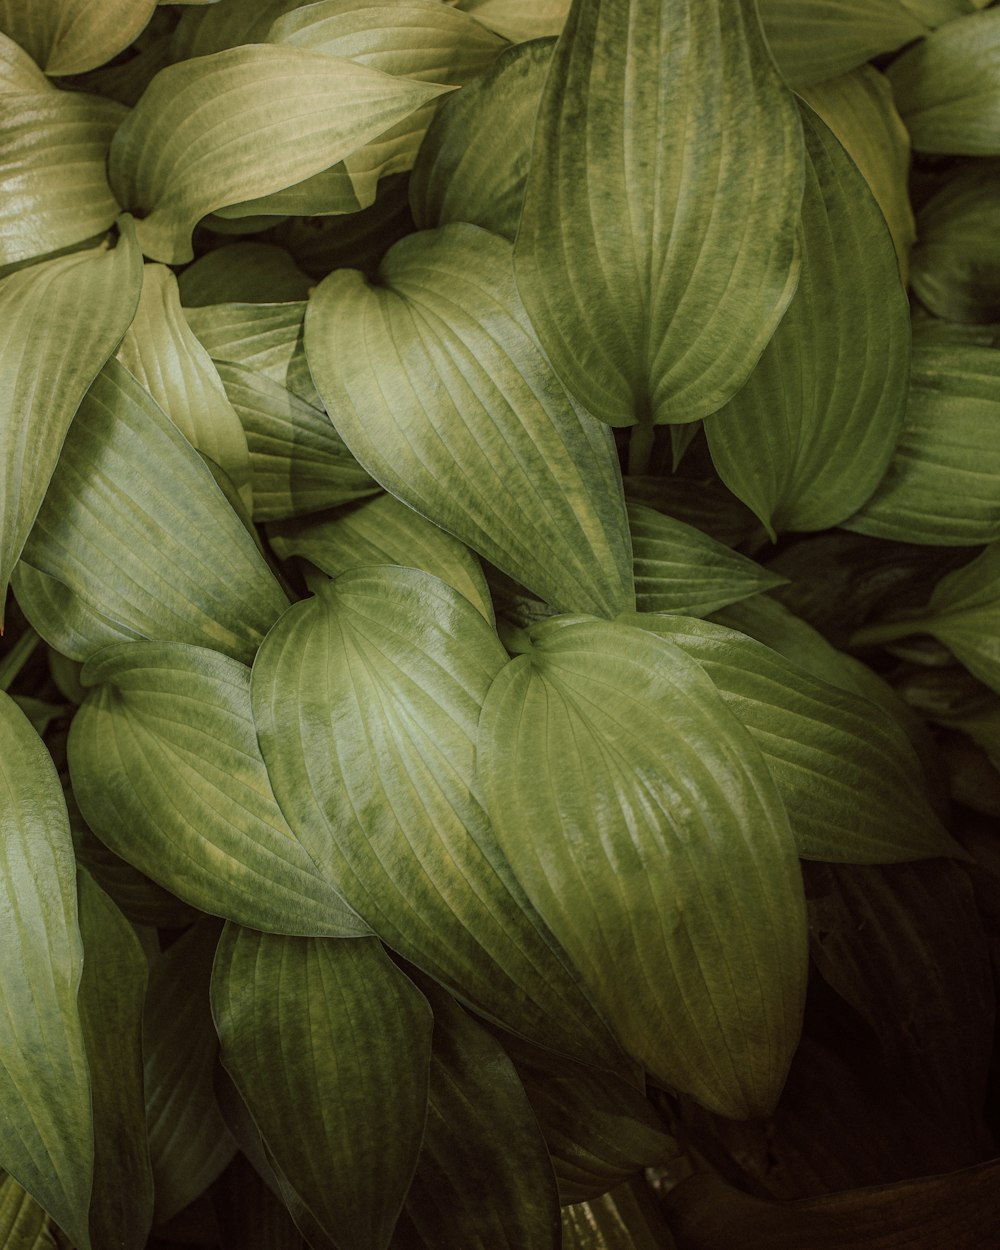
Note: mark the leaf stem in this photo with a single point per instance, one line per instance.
(886, 631)
(640, 449)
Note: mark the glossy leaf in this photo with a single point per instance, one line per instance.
(348, 1038)
(525, 478)
(367, 700)
(128, 483)
(656, 256)
(641, 820)
(64, 318)
(627, 1218)
(806, 441)
(243, 272)
(48, 1138)
(956, 261)
(70, 36)
(167, 772)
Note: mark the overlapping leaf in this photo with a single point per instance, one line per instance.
(70, 36)
(243, 273)
(167, 771)
(226, 24)
(524, 477)
(806, 441)
(627, 1218)
(23, 1223)
(518, 20)
(262, 337)
(657, 251)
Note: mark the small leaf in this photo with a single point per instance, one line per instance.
(71, 36)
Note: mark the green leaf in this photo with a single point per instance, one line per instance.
(348, 1036)
(63, 319)
(193, 143)
(657, 250)
(473, 163)
(167, 771)
(250, 1216)
(627, 1218)
(525, 478)
(383, 531)
(71, 36)
(702, 502)
(111, 1001)
(518, 20)
(48, 1138)
(23, 1223)
(367, 701)
(942, 487)
(129, 483)
(808, 438)
(850, 780)
(226, 24)
(946, 88)
(641, 820)
(243, 272)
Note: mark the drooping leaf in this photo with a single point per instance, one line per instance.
(366, 700)
(47, 1143)
(641, 820)
(129, 484)
(806, 441)
(243, 273)
(194, 142)
(627, 1218)
(71, 36)
(167, 771)
(348, 1036)
(63, 319)
(524, 478)
(657, 250)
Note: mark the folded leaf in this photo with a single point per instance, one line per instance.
(442, 342)
(657, 250)
(641, 820)
(806, 441)
(71, 36)
(167, 772)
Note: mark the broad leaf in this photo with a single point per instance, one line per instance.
(349, 1036)
(243, 273)
(524, 478)
(71, 36)
(627, 1218)
(226, 24)
(657, 250)
(129, 483)
(367, 701)
(167, 772)
(48, 1138)
(264, 337)
(806, 441)
(518, 20)
(641, 819)
(193, 143)
(63, 319)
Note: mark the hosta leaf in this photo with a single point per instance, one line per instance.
(942, 487)
(367, 700)
(262, 337)
(946, 88)
(111, 1001)
(642, 822)
(298, 460)
(627, 1218)
(657, 250)
(383, 531)
(518, 20)
(680, 569)
(126, 80)
(167, 772)
(193, 143)
(48, 1126)
(525, 478)
(226, 24)
(701, 502)
(71, 36)
(250, 1216)
(474, 161)
(23, 1223)
(243, 273)
(806, 441)
(63, 319)
(850, 780)
(128, 483)
(349, 1037)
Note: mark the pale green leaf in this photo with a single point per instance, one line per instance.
(243, 273)
(62, 617)
(216, 130)
(63, 319)
(125, 81)
(525, 478)
(808, 438)
(367, 701)
(167, 771)
(227, 24)
(519, 20)
(47, 1143)
(657, 250)
(642, 821)
(262, 337)
(71, 36)
(135, 526)
(23, 1223)
(627, 1218)
(348, 1038)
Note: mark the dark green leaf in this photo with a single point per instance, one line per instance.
(249, 273)
(627, 1218)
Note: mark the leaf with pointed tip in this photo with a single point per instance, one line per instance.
(808, 438)
(657, 250)
(71, 36)
(193, 143)
(167, 771)
(63, 319)
(627, 1218)
(641, 820)
(524, 478)
(129, 484)
(956, 261)
(518, 20)
(367, 700)
(349, 1037)
(243, 273)
(48, 1138)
